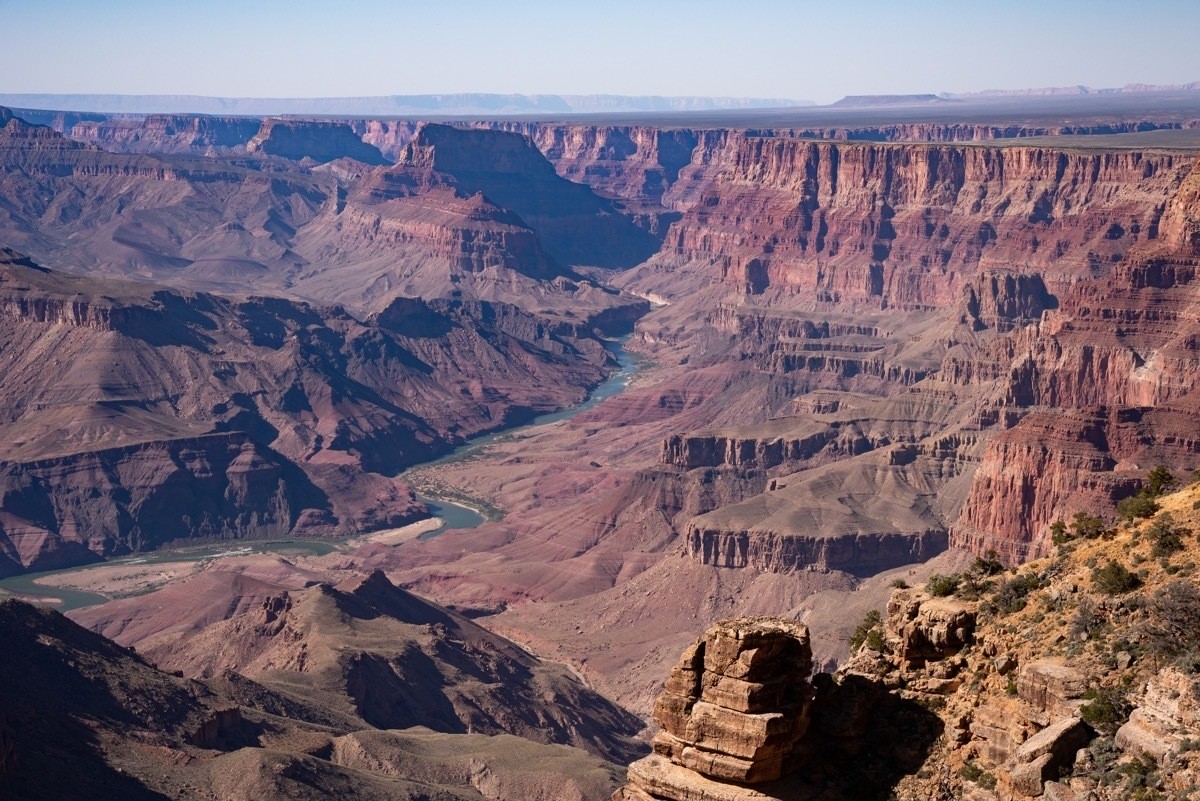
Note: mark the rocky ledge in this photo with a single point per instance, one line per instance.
(743, 719)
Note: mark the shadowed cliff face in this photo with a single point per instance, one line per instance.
(575, 225)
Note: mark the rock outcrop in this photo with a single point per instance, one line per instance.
(734, 711)
(741, 720)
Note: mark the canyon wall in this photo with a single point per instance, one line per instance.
(907, 226)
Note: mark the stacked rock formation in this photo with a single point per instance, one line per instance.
(733, 713)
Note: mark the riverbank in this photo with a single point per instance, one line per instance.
(141, 573)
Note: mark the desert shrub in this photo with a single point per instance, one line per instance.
(1087, 619)
(973, 773)
(1058, 533)
(1141, 775)
(868, 632)
(940, 586)
(1087, 527)
(1114, 579)
(987, 565)
(1137, 507)
(1166, 537)
(899, 584)
(1012, 595)
(1106, 709)
(1173, 631)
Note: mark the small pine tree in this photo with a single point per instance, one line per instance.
(1159, 480)
(868, 633)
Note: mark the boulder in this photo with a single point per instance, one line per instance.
(1045, 754)
(1051, 688)
(923, 629)
(1029, 779)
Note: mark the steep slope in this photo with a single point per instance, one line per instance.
(1080, 681)
(903, 225)
(79, 714)
(373, 651)
(1108, 384)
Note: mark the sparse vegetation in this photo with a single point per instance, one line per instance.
(899, 584)
(1106, 709)
(869, 632)
(1115, 579)
(973, 773)
(1012, 595)
(1166, 537)
(1139, 506)
(1159, 481)
(987, 565)
(1087, 619)
(1173, 631)
(940, 586)
(1145, 504)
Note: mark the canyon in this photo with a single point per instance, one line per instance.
(869, 351)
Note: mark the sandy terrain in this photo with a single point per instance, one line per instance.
(395, 536)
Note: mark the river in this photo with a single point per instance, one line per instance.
(454, 515)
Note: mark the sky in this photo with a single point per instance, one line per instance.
(745, 48)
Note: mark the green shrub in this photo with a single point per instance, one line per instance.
(987, 565)
(1087, 527)
(868, 632)
(1114, 579)
(940, 586)
(899, 584)
(973, 773)
(1012, 595)
(1166, 537)
(1137, 507)
(1106, 709)
(1058, 533)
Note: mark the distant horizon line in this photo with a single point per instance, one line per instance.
(505, 102)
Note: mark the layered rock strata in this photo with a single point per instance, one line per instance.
(734, 710)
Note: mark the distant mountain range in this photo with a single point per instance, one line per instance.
(388, 105)
(1048, 91)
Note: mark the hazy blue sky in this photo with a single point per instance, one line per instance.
(763, 48)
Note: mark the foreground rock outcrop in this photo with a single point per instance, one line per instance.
(741, 720)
